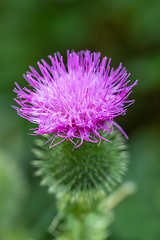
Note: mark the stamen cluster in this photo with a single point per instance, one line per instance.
(76, 100)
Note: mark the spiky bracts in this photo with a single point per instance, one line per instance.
(85, 173)
(77, 100)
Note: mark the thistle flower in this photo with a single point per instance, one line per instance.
(77, 100)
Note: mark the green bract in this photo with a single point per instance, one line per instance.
(84, 174)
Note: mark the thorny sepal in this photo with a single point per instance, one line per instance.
(84, 174)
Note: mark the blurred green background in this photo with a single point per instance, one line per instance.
(128, 31)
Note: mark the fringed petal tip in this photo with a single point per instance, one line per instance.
(75, 100)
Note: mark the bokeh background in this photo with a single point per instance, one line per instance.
(128, 31)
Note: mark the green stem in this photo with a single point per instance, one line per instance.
(120, 194)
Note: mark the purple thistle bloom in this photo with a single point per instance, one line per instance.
(75, 101)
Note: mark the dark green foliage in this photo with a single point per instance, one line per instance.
(87, 172)
(126, 31)
(142, 210)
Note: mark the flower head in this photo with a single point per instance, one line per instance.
(77, 100)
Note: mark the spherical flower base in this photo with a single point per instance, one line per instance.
(86, 173)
